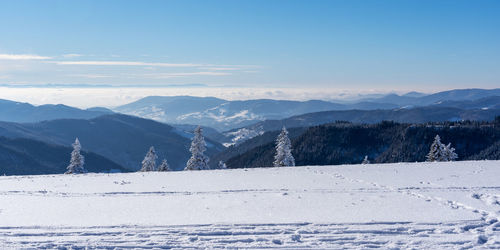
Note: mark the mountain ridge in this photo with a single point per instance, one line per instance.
(225, 115)
(20, 112)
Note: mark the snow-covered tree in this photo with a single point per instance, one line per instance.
(441, 152)
(437, 150)
(77, 160)
(149, 162)
(222, 165)
(198, 160)
(164, 166)
(365, 160)
(449, 153)
(283, 157)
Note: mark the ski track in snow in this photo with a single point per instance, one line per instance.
(468, 191)
(394, 235)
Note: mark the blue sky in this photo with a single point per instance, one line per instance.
(332, 45)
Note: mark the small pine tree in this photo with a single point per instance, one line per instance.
(449, 153)
(164, 166)
(365, 160)
(222, 165)
(77, 160)
(436, 151)
(198, 160)
(149, 162)
(283, 157)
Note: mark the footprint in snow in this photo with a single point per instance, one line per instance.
(481, 239)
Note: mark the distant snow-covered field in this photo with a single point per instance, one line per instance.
(421, 205)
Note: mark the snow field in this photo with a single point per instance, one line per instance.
(420, 205)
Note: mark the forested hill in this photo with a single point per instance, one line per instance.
(346, 143)
(120, 138)
(21, 156)
(413, 115)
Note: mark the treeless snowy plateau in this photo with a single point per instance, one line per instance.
(419, 205)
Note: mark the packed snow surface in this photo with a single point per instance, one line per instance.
(407, 205)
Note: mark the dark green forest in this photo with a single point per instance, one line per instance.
(385, 142)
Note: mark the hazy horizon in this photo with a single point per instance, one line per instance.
(109, 97)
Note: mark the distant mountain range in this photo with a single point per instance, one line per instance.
(419, 99)
(21, 156)
(121, 141)
(120, 138)
(24, 112)
(226, 115)
(491, 102)
(242, 120)
(218, 113)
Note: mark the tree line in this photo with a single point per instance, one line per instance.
(383, 142)
(386, 142)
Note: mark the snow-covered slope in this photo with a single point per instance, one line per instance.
(421, 205)
(218, 113)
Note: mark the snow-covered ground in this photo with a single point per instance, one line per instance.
(420, 205)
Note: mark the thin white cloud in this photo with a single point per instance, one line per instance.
(127, 63)
(71, 55)
(185, 74)
(211, 67)
(112, 96)
(93, 76)
(221, 68)
(23, 57)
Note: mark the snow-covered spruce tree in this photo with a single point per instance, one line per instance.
(365, 160)
(77, 160)
(283, 157)
(198, 160)
(449, 153)
(222, 165)
(437, 150)
(164, 166)
(149, 162)
(441, 152)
